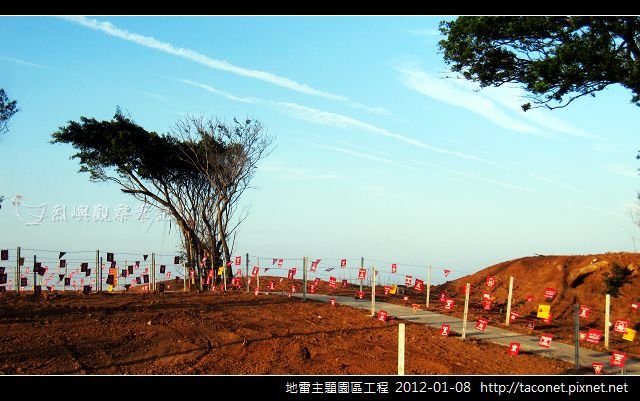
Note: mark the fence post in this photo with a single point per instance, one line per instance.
(607, 310)
(246, 262)
(258, 275)
(153, 271)
(362, 267)
(400, 349)
(98, 272)
(304, 278)
(509, 301)
(184, 276)
(577, 335)
(428, 285)
(373, 290)
(466, 310)
(34, 274)
(17, 278)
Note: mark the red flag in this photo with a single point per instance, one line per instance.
(408, 280)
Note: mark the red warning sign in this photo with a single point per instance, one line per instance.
(620, 326)
(443, 297)
(238, 260)
(343, 263)
(345, 284)
(584, 311)
(618, 359)
(312, 289)
(444, 330)
(447, 272)
(394, 267)
(448, 303)
(255, 271)
(481, 324)
(514, 349)
(290, 275)
(382, 316)
(593, 336)
(486, 304)
(272, 285)
(332, 282)
(597, 367)
(333, 301)
(491, 281)
(419, 285)
(513, 316)
(362, 274)
(545, 340)
(360, 294)
(550, 293)
(386, 289)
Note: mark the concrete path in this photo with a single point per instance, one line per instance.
(529, 344)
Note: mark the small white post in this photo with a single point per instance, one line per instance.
(509, 301)
(466, 310)
(373, 291)
(428, 285)
(401, 349)
(607, 310)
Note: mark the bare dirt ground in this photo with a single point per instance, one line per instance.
(228, 333)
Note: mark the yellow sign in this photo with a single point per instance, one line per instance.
(543, 311)
(629, 334)
(393, 289)
(220, 270)
(110, 288)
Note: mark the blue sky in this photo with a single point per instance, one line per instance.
(376, 154)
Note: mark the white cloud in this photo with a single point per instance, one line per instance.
(355, 153)
(476, 177)
(338, 120)
(552, 181)
(622, 170)
(156, 96)
(23, 62)
(442, 90)
(280, 169)
(251, 100)
(221, 65)
(425, 32)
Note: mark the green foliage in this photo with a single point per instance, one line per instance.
(7, 109)
(615, 280)
(556, 59)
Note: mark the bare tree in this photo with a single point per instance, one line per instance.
(227, 155)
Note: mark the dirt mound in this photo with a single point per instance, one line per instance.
(577, 279)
